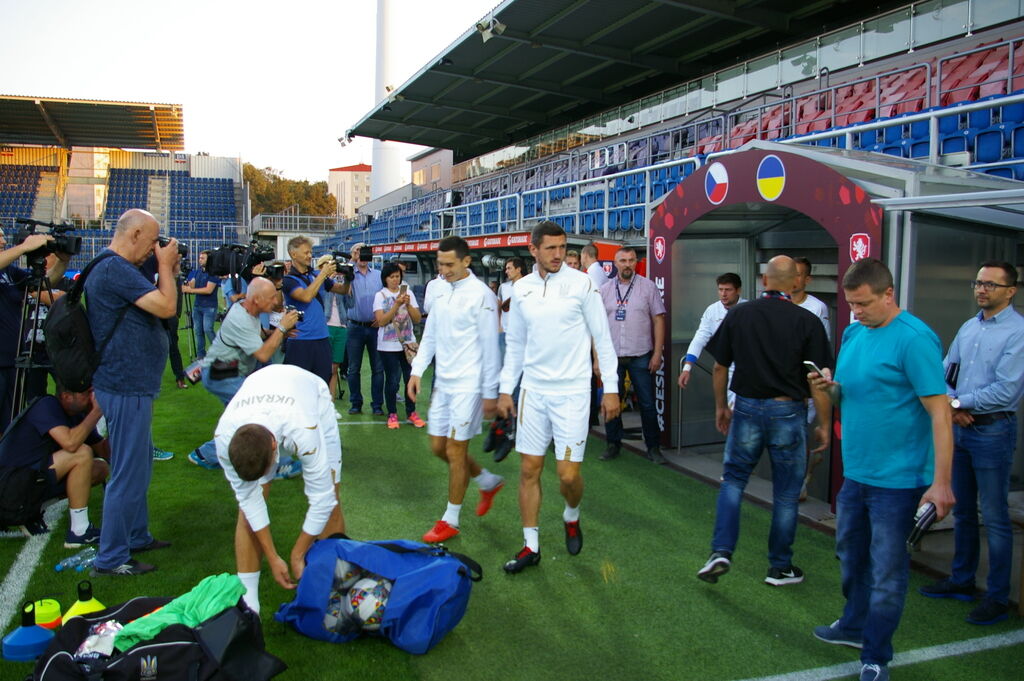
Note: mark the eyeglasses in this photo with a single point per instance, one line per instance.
(989, 285)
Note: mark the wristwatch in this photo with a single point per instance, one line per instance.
(955, 403)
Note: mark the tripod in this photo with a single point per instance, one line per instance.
(30, 332)
(187, 313)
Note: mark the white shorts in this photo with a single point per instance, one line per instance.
(546, 417)
(455, 415)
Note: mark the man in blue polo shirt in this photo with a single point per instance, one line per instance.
(362, 334)
(897, 455)
(125, 307)
(204, 312)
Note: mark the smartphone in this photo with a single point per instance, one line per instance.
(812, 367)
(403, 289)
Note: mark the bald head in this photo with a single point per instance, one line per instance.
(780, 274)
(260, 296)
(136, 218)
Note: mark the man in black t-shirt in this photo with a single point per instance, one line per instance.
(57, 434)
(768, 339)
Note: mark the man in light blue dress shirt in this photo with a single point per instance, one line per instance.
(985, 381)
(362, 333)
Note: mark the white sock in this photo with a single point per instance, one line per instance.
(487, 480)
(531, 537)
(251, 582)
(451, 514)
(79, 520)
(570, 514)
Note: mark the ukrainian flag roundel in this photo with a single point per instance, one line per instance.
(771, 178)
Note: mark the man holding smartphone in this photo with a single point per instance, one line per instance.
(897, 451)
(767, 339)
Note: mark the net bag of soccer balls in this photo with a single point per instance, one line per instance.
(410, 593)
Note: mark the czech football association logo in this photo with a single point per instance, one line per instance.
(659, 248)
(860, 246)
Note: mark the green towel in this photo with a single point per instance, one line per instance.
(208, 598)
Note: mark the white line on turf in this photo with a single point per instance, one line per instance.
(838, 671)
(12, 591)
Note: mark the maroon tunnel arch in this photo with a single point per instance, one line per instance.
(836, 203)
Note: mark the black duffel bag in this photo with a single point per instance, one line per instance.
(227, 647)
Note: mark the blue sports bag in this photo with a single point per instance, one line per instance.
(428, 597)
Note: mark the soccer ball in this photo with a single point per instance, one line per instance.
(367, 599)
(346, 574)
(335, 614)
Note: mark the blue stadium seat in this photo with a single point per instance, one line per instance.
(988, 145)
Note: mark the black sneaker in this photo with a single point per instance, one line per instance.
(784, 576)
(34, 527)
(378, 412)
(522, 560)
(988, 612)
(717, 565)
(91, 536)
(654, 454)
(355, 410)
(947, 589)
(573, 537)
(132, 567)
(611, 452)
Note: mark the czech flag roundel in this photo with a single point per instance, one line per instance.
(716, 183)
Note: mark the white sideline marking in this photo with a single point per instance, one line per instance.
(13, 588)
(838, 671)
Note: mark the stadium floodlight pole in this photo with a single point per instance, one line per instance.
(387, 162)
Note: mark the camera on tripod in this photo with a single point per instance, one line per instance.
(231, 259)
(182, 248)
(62, 241)
(274, 271)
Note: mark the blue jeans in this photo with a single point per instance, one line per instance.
(872, 524)
(125, 511)
(223, 390)
(396, 366)
(360, 337)
(982, 457)
(643, 384)
(202, 324)
(780, 426)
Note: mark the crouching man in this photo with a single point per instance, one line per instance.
(57, 434)
(280, 408)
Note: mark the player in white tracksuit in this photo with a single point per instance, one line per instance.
(555, 318)
(280, 408)
(461, 333)
(729, 288)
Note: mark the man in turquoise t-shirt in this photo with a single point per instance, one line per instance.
(897, 454)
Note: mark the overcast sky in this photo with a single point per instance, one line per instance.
(273, 82)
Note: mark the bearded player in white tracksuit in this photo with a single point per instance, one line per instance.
(280, 408)
(556, 316)
(462, 335)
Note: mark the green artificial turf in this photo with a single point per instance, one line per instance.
(628, 607)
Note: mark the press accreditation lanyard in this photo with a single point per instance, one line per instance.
(620, 311)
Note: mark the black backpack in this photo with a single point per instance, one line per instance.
(69, 342)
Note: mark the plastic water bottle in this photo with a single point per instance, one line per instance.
(86, 563)
(88, 554)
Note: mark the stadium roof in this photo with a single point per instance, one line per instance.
(357, 168)
(544, 63)
(91, 123)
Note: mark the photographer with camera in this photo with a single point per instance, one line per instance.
(304, 289)
(126, 308)
(239, 348)
(13, 279)
(203, 286)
